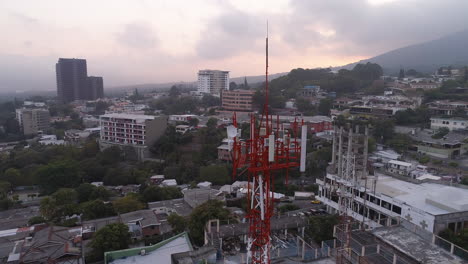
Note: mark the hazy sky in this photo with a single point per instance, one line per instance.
(149, 41)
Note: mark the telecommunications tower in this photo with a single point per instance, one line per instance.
(271, 147)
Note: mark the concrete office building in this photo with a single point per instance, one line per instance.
(73, 82)
(95, 88)
(72, 77)
(212, 82)
(132, 133)
(238, 100)
(33, 121)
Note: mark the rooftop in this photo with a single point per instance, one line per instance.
(159, 253)
(129, 116)
(414, 246)
(433, 198)
(451, 137)
(400, 163)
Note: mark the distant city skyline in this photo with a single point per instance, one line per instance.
(135, 42)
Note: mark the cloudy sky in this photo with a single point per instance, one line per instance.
(153, 41)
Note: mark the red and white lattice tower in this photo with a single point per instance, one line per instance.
(271, 147)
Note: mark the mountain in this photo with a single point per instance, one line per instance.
(257, 79)
(424, 57)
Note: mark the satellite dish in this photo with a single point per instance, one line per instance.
(231, 131)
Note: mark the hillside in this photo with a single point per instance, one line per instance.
(424, 57)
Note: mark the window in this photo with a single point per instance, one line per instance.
(396, 209)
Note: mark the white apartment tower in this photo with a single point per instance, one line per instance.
(213, 82)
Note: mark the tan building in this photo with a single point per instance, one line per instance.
(33, 121)
(238, 100)
(131, 132)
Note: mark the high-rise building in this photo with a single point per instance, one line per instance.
(72, 77)
(73, 82)
(213, 82)
(95, 88)
(32, 121)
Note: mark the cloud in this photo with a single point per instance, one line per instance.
(137, 35)
(229, 34)
(27, 20)
(363, 28)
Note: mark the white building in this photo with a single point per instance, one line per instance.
(181, 118)
(433, 207)
(129, 130)
(450, 123)
(212, 82)
(182, 129)
(399, 167)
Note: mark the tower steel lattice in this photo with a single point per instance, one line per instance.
(269, 148)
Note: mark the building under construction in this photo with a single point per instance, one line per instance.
(369, 200)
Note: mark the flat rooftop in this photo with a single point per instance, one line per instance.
(433, 198)
(414, 246)
(128, 116)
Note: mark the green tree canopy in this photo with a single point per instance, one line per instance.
(96, 209)
(177, 222)
(212, 209)
(127, 204)
(109, 238)
(64, 173)
(216, 174)
(156, 193)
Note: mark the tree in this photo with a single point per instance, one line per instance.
(325, 106)
(212, 123)
(177, 222)
(48, 208)
(320, 228)
(111, 156)
(84, 192)
(212, 209)
(174, 91)
(232, 86)
(96, 209)
(216, 174)
(58, 174)
(155, 193)
(193, 122)
(304, 105)
(5, 187)
(368, 71)
(109, 238)
(383, 129)
(288, 207)
(12, 176)
(127, 204)
(36, 220)
(209, 100)
(400, 142)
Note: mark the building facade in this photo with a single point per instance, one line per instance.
(33, 121)
(72, 79)
(132, 133)
(212, 82)
(95, 88)
(450, 123)
(238, 100)
(376, 199)
(73, 82)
